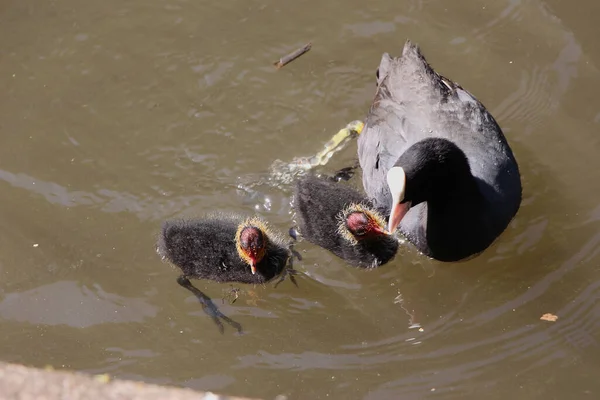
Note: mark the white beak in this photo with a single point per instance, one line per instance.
(396, 180)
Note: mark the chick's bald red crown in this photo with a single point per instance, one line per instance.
(361, 224)
(251, 242)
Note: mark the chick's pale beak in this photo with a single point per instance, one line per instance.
(253, 267)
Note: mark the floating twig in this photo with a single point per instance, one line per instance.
(292, 56)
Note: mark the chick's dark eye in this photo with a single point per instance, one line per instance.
(360, 231)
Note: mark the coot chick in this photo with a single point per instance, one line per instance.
(340, 219)
(222, 248)
(435, 161)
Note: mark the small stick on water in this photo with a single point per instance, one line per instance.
(292, 56)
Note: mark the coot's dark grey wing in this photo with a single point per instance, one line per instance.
(412, 103)
(397, 119)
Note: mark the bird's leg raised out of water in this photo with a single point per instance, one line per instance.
(283, 173)
(208, 306)
(286, 172)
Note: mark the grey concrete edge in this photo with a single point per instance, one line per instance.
(24, 383)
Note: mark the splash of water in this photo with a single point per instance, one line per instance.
(282, 173)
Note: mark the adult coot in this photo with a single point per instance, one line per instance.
(222, 248)
(340, 219)
(435, 161)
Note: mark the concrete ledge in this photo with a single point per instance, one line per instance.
(23, 383)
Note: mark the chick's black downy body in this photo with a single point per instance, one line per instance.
(207, 249)
(319, 204)
(220, 248)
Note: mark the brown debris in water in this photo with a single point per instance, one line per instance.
(292, 56)
(549, 317)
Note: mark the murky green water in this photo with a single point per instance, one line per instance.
(116, 115)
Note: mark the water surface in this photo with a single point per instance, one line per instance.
(117, 115)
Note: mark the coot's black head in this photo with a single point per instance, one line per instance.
(358, 222)
(428, 170)
(251, 242)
